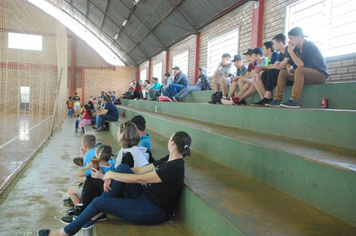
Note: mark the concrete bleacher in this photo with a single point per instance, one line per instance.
(256, 170)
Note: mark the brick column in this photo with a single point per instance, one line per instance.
(149, 74)
(167, 62)
(196, 58)
(257, 24)
(72, 66)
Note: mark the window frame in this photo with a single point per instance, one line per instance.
(11, 43)
(210, 75)
(161, 71)
(143, 79)
(285, 30)
(175, 64)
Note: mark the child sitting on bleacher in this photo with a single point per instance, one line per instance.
(93, 185)
(145, 205)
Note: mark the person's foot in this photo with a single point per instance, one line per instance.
(262, 102)
(230, 101)
(291, 103)
(76, 210)
(68, 202)
(99, 129)
(75, 132)
(175, 99)
(78, 161)
(49, 232)
(273, 103)
(170, 99)
(82, 131)
(67, 219)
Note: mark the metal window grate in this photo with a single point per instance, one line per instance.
(143, 74)
(157, 71)
(181, 60)
(330, 24)
(226, 43)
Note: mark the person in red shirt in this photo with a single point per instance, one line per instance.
(70, 104)
(84, 120)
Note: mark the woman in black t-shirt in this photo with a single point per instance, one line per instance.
(151, 192)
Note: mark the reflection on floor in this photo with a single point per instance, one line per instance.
(20, 135)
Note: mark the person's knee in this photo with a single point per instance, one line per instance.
(123, 168)
(71, 191)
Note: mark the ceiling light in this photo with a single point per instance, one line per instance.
(136, 2)
(116, 36)
(124, 23)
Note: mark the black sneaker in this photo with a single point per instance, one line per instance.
(262, 102)
(78, 161)
(67, 219)
(94, 127)
(68, 202)
(242, 102)
(76, 210)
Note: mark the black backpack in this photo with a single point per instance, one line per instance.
(216, 97)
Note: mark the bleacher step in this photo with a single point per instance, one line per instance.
(320, 175)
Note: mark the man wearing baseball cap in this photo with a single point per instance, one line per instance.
(180, 82)
(309, 68)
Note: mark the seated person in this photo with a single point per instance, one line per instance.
(309, 68)
(223, 73)
(155, 89)
(113, 97)
(87, 149)
(146, 89)
(137, 89)
(167, 80)
(145, 205)
(202, 84)
(268, 79)
(84, 119)
(93, 186)
(140, 123)
(180, 82)
(109, 113)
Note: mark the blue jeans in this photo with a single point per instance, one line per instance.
(165, 92)
(186, 91)
(100, 119)
(154, 92)
(70, 112)
(175, 88)
(76, 125)
(135, 208)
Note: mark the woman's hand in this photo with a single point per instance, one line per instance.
(107, 183)
(249, 84)
(97, 174)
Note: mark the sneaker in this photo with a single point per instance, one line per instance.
(76, 210)
(82, 132)
(94, 127)
(169, 99)
(75, 132)
(103, 217)
(262, 102)
(67, 219)
(68, 202)
(78, 161)
(291, 103)
(273, 103)
(99, 129)
(43, 232)
(89, 224)
(231, 101)
(242, 102)
(176, 100)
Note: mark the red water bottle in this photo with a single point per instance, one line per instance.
(324, 103)
(122, 113)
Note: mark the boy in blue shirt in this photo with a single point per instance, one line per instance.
(140, 123)
(155, 89)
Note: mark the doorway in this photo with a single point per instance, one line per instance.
(25, 93)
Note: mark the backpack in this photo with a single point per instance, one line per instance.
(216, 97)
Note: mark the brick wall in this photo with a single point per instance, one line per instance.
(118, 80)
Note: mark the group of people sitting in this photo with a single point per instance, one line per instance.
(130, 185)
(172, 88)
(277, 64)
(96, 111)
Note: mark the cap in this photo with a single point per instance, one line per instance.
(138, 120)
(258, 51)
(249, 52)
(176, 68)
(167, 74)
(297, 31)
(237, 58)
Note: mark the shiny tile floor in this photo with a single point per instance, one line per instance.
(35, 201)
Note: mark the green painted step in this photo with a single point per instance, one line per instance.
(339, 95)
(333, 127)
(218, 200)
(320, 175)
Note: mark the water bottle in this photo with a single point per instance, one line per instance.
(156, 109)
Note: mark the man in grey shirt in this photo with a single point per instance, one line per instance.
(180, 82)
(223, 73)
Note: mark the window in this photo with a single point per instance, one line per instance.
(143, 75)
(226, 43)
(157, 71)
(25, 41)
(181, 60)
(330, 24)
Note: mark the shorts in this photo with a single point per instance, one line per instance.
(227, 81)
(249, 80)
(76, 107)
(79, 190)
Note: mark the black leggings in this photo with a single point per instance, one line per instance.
(269, 79)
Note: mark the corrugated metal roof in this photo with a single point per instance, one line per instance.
(153, 25)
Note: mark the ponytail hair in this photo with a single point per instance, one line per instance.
(183, 142)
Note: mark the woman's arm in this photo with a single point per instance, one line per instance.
(149, 178)
(143, 170)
